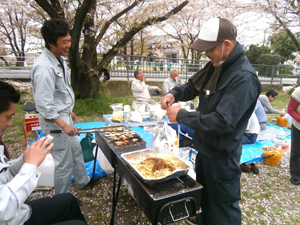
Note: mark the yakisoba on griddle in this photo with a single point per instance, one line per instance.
(154, 167)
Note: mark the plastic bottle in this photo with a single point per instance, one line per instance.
(280, 135)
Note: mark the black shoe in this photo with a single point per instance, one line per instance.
(295, 182)
(96, 180)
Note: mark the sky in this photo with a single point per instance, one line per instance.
(254, 31)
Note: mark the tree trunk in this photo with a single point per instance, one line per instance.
(86, 75)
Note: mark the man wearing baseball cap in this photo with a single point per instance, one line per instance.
(228, 89)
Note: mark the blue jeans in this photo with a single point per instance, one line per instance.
(249, 139)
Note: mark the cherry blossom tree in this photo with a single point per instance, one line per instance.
(106, 26)
(14, 24)
(185, 25)
(285, 14)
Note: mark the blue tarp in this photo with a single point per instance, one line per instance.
(251, 153)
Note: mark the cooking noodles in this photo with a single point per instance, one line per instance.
(155, 167)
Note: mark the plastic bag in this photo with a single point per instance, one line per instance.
(135, 116)
(87, 147)
(166, 138)
(117, 117)
(103, 162)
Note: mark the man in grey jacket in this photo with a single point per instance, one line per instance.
(54, 100)
(228, 89)
(266, 100)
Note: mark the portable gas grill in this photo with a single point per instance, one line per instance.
(163, 203)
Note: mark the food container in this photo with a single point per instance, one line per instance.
(117, 107)
(272, 156)
(141, 107)
(284, 145)
(133, 158)
(281, 121)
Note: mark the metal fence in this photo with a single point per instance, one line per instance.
(123, 66)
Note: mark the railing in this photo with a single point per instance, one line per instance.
(153, 67)
(12, 62)
(123, 66)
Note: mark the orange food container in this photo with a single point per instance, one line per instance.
(282, 122)
(272, 159)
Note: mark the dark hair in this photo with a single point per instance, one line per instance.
(271, 92)
(54, 28)
(137, 72)
(8, 94)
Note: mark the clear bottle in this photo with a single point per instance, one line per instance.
(280, 135)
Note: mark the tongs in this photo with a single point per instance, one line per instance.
(90, 130)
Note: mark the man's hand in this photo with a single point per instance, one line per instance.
(282, 114)
(178, 79)
(159, 90)
(71, 130)
(68, 129)
(74, 118)
(167, 101)
(172, 113)
(36, 153)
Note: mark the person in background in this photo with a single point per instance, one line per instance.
(140, 90)
(294, 112)
(54, 100)
(252, 130)
(228, 89)
(19, 177)
(266, 100)
(172, 81)
(261, 115)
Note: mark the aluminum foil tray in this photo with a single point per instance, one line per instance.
(140, 155)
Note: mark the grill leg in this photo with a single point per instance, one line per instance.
(115, 196)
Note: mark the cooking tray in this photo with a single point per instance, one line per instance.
(181, 170)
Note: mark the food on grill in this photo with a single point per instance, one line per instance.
(135, 139)
(123, 137)
(155, 167)
(119, 143)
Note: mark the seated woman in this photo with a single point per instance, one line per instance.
(252, 130)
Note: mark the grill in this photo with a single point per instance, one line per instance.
(166, 202)
(163, 203)
(111, 150)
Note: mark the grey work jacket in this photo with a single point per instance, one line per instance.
(51, 86)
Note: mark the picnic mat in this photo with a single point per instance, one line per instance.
(252, 153)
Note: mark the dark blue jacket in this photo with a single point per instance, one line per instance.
(221, 119)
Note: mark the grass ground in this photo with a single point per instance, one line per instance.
(267, 198)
